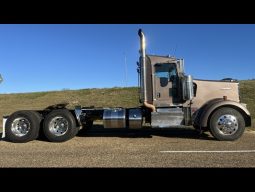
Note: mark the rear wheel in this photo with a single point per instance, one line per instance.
(227, 124)
(22, 126)
(60, 126)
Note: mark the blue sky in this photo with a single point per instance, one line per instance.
(55, 57)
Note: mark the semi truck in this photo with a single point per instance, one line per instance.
(168, 99)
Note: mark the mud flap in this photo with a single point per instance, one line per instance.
(4, 121)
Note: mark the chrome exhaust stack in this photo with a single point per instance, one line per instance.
(142, 65)
(144, 77)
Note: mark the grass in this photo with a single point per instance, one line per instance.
(113, 97)
(247, 93)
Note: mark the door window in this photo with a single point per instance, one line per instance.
(165, 72)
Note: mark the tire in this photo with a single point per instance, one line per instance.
(227, 124)
(22, 126)
(39, 118)
(59, 126)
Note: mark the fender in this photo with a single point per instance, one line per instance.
(207, 109)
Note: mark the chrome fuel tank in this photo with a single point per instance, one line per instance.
(135, 118)
(114, 118)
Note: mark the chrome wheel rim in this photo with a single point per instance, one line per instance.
(227, 124)
(58, 126)
(20, 126)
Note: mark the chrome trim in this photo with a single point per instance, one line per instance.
(20, 126)
(58, 126)
(227, 124)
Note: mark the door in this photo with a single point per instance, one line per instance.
(165, 84)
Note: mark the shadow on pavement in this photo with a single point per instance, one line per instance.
(99, 131)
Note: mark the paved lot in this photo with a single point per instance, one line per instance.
(155, 148)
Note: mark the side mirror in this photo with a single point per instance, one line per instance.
(181, 65)
(195, 89)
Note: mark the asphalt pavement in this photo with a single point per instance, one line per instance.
(142, 148)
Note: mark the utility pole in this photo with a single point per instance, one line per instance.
(1, 79)
(125, 58)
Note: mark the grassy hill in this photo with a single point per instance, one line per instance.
(247, 93)
(113, 97)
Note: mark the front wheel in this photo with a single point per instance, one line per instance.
(60, 126)
(227, 124)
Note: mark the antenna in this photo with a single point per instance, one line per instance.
(175, 49)
(125, 58)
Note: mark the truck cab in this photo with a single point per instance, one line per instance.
(175, 99)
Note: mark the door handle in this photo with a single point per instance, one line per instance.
(158, 95)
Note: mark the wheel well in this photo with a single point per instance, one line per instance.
(247, 118)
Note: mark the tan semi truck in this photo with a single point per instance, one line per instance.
(169, 99)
